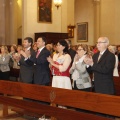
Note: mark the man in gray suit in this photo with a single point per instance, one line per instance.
(26, 70)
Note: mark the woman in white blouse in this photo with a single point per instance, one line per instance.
(80, 76)
(113, 50)
(60, 65)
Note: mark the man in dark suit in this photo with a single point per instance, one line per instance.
(41, 70)
(102, 64)
(71, 52)
(26, 70)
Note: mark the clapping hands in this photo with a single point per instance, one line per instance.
(88, 60)
(76, 58)
(26, 53)
(50, 60)
(16, 57)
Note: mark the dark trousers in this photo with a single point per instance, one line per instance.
(85, 89)
(4, 75)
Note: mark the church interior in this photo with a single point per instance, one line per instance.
(79, 21)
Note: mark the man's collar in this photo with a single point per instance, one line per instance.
(103, 52)
(28, 48)
(41, 48)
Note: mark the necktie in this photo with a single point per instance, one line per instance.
(99, 56)
(38, 52)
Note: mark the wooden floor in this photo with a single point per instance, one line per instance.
(15, 116)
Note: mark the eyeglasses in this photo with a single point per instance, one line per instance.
(79, 49)
(100, 42)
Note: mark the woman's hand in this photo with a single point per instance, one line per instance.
(76, 58)
(50, 60)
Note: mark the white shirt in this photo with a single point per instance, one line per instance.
(40, 49)
(65, 60)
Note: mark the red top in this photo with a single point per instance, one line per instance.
(58, 73)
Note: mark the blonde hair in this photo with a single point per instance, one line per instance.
(5, 48)
(19, 46)
(112, 49)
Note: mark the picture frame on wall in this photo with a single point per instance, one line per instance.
(71, 31)
(82, 32)
(45, 11)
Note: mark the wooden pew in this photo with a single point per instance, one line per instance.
(100, 103)
(117, 85)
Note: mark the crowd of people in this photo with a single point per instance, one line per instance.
(40, 63)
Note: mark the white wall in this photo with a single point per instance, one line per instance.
(110, 20)
(60, 18)
(2, 22)
(84, 12)
(103, 19)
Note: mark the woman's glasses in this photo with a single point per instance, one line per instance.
(79, 49)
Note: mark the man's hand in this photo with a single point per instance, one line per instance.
(23, 53)
(88, 60)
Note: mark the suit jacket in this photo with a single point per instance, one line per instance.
(4, 63)
(80, 75)
(41, 68)
(72, 53)
(119, 57)
(26, 70)
(103, 72)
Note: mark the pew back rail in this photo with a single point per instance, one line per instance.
(101, 103)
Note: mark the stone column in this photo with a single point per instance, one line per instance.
(2, 22)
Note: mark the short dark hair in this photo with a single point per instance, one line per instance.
(30, 40)
(44, 39)
(65, 44)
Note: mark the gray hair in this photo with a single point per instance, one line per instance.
(106, 39)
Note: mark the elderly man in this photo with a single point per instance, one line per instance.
(71, 52)
(102, 64)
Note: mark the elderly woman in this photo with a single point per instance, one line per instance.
(80, 76)
(60, 65)
(4, 63)
(15, 56)
(13, 50)
(113, 49)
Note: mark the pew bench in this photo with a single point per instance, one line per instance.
(100, 103)
(117, 85)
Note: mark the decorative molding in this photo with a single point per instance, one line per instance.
(52, 96)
